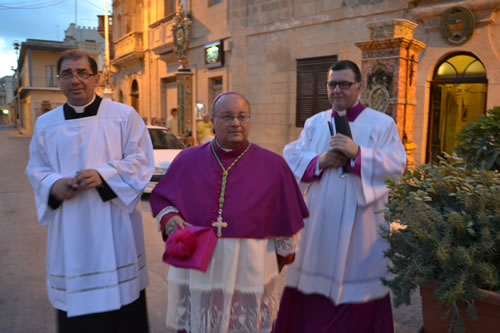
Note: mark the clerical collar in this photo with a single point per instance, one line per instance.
(88, 110)
(351, 113)
(220, 146)
(229, 152)
(81, 108)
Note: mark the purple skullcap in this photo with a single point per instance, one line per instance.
(230, 92)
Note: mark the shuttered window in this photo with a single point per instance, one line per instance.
(50, 76)
(312, 96)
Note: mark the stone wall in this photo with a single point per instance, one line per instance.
(276, 35)
(264, 38)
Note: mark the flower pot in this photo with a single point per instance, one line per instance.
(488, 313)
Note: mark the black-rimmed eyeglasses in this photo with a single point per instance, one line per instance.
(82, 74)
(342, 84)
(228, 118)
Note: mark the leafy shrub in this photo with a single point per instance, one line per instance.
(480, 141)
(449, 217)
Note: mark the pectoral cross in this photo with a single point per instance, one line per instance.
(219, 224)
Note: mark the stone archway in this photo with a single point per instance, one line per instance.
(134, 96)
(457, 97)
(120, 96)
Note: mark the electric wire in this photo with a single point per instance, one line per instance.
(31, 2)
(32, 5)
(94, 5)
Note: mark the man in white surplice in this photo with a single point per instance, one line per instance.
(90, 160)
(341, 261)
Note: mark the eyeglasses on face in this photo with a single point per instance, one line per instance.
(344, 85)
(228, 118)
(82, 74)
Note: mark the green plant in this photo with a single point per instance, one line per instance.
(449, 217)
(480, 141)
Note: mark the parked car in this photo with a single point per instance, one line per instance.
(165, 147)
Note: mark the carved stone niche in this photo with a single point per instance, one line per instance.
(379, 87)
(389, 62)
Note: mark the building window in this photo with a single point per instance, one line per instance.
(51, 75)
(215, 86)
(458, 96)
(312, 96)
(169, 7)
(46, 106)
(118, 32)
(460, 67)
(213, 2)
(134, 96)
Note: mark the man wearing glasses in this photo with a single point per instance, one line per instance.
(334, 284)
(89, 161)
(248, 196)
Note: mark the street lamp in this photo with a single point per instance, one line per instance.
(17, 46)
(108, 84)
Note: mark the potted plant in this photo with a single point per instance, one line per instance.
(445, 234)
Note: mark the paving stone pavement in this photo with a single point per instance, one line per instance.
(408, 319)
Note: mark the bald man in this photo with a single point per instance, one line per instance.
(250, 198)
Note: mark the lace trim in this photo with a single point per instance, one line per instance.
(287, 245)
(206, 311)
(163, 212)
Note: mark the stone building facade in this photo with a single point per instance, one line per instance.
(6, 96)
(89, 35)
(38, 87)
(277, 52)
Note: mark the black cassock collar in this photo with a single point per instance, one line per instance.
(89, 111)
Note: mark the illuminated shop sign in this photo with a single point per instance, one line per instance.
(214, 54)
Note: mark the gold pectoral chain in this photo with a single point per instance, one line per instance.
(219, 224)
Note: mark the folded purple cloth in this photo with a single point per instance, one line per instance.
(190, 247)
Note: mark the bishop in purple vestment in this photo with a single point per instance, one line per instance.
(249, 196)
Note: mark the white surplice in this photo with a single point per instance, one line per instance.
(239, 293)
(341, 252)
(95, 249)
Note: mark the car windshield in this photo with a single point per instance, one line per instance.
(163, 139)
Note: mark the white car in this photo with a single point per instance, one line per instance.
(165, 147)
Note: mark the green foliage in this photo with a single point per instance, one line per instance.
(480, 141)
(450, 235)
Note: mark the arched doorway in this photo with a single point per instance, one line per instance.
(134, 96)
(120, 96)
(458, 96)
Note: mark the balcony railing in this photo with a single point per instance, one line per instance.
(129, 47)
(162, 39)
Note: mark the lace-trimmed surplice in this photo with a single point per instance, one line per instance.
(238, 293)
